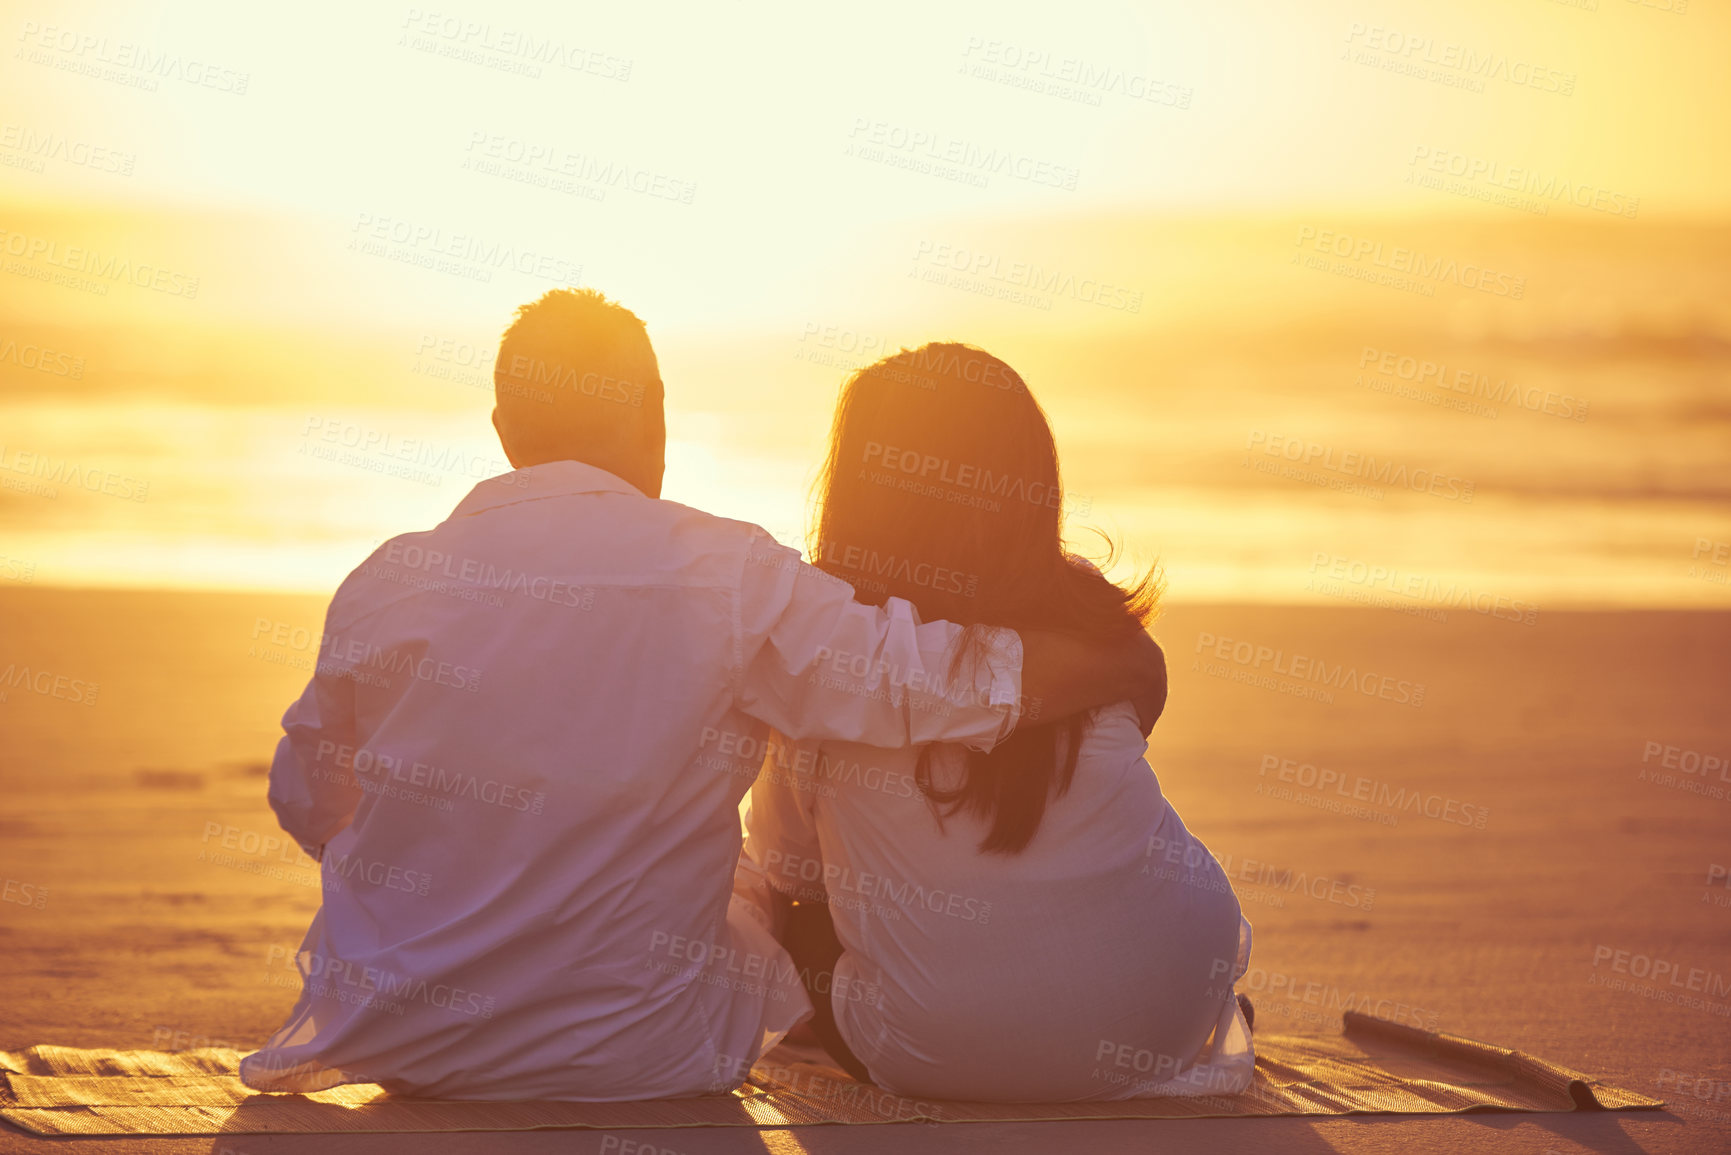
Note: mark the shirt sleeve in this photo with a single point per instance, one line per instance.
(781, 837)
(814, 663)
(312, 783)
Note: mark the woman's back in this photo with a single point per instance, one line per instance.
(1092, 964)
(1092, 950)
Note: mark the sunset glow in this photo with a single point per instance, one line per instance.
(256, 274)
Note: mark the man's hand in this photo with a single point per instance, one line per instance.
(1150, 700)
(1065, 675)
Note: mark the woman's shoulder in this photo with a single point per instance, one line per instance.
(1115, 727)
(1112, 747)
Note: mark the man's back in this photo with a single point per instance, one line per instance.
(510, 703)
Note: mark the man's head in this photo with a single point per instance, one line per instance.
(576, 380)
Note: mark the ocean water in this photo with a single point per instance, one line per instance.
(1271, 422)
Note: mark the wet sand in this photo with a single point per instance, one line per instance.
(1513, 837)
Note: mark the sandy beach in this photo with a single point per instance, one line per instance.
(1511, 832)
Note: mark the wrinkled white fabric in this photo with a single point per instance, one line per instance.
(520, 761)
(1099, 963)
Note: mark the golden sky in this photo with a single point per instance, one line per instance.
(331, 210)
(361, 111)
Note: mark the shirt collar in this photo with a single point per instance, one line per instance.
(538, 482)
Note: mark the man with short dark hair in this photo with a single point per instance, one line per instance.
(520, 759)
(577, 378)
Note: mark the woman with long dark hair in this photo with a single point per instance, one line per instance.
(1034, 923)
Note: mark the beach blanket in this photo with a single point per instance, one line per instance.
(1373, 1067)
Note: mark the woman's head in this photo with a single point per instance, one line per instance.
(941, 469)
(941, 487)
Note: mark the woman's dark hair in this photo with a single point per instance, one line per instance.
(941, 487)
